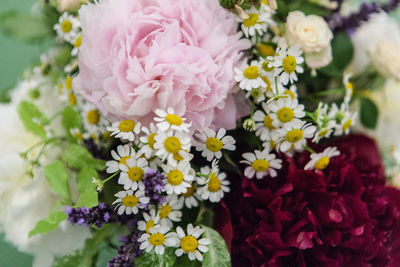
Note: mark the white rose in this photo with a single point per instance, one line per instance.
(386, 59)
(68, 5)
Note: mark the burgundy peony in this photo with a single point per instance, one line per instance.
(344, 216)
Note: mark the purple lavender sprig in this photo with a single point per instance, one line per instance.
(127, 252)
(154, 186)
(88, 216)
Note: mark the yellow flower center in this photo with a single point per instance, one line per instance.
(107, 135)
(124, 159)
(294, 136)
(214, 184)
(66, 26)
(157, 239)
(165, 211)
(251, 21)
(265, 49)
(350, 87)
(289, 64)
(268, 122)
(260, 165)
(173, 119)
(68, 83)
(93, 116)
(172, 144)
(285, 114)
(322, 163)
(214, 144)
(347, 124)
(272, 144)
(149, 225)
(256, 92)
(189, 192)
(72, 99)
(78, 136)
(78, 41)
(251, 72)
(189, 243)
(151, 141)
(178, 157)
(290, 93)
(135, 174)
(130, 201)
(265, 67)
(126, 126)
(175, 177)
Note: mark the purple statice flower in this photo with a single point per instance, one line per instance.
(154, 186)
(88, 216)
(127, 252)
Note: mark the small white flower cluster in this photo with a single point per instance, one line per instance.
(68, 30)
(165, 146)
(256, 21)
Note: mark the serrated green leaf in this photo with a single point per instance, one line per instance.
(71, 119)
(50, 223)
(87, 189)
(28, 112)
(77, 157)
(152, 259)
(218, 254)
(57, 176)
(368, 113)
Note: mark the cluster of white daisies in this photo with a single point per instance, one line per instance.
(165, 146)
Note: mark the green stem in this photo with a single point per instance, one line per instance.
(276, 85)
(309, 149)
(330, 92)
(53, 117)
(202, 175)
(112, 176)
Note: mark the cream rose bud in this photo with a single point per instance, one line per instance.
(68, 5)
(387, 59)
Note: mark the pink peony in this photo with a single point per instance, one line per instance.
(140, 55)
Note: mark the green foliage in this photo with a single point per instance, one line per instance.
(87, 189)
(77, 157)
(152, 259)
(205, 217)
(71, 119)
(28, 112)
(307, 7)
(218, 254)
(5, 94)
(228, 3)
(184, 261)
(57, 176)
(24, 26)
(50, 223)
(368, 113)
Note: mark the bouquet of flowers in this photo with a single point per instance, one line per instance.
(204, 133)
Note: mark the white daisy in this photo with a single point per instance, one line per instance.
(148, 141)
(264, 125)
(77, 44)
(284, 110)
(343, 117)
(168, 120)
(132, 173)
(124, 152)
(93, 121)
(77, 134)
(349, 88)
(178, 178)
(257, 22)
(249, 78)
(292, 136)
(170, 211)
(258, 94)
(67, 28)
(320, 161)
(172, 146)
(190, 197)
(149, 221)
(261, 163)
(215, 186)
(157, 238)
(191, 243)
(286, 64)
(125, 129)
(129, 202)
(211, 143)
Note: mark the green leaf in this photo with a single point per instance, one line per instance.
(368, 113)
(205, 217)
(28, 112)
(57, 176)
(77, 157)
(184, 261)
(24, 26)
(217, 254)
(152, 259)
(87, 189)
(50, 223)
(70, 119)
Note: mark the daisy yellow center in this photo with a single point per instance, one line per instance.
(130, 201)
(135, 174)
(68, 83)
(251, 72)
(149, 225)
(66, 26)
(214, 184)
(124, 159)
(268, 82)
(322, 163)
(172, 144)
(189, 243)
(260, 165)
(268, 122)
(72, 99)
(251, 21)
(178, 157)
(165, 211)
(189, 192)
(173, 119)
(292, 95)
(214, 144)
(265, 49)
(157, 239)
(78, 41)
(347, 124)
(289, 64)
(285, 114)
(93, 116)
(175, 177)
(265, 2)
(272, 144)
(107, 135)
(350, 87)
(126, 126)
(78, 136)
(266, 67)
(294, 136)
(151, 141)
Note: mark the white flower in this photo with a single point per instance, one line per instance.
(345, 119)
(349, 87)
(320, 161)
(129, 202)
(132, 173)
(324, 131)
(77, 45)
(264, 125)
(286, 64)
(190, 197)
(170, 211)
(172, 146)
(293, 136)
(250, 77)
(191, 243)
(170, 121)
(157, 238)
(284, 110)
(178, 178)
(215, 186)
(211, 143)
(257, 22)
(124, 152)
(93, 121)
(67, 28)
(68, 5)
(148, 140)
(77, 134)
(261, 163)
(387, 59)
(150, 220)
(125, 129)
